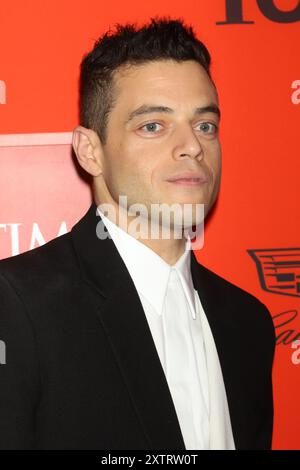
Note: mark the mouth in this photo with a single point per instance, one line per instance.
(188, 179)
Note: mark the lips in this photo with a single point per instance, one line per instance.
(189, 178)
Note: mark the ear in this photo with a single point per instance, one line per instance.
(88, 150)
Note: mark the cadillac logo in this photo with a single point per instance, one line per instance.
(278, 270)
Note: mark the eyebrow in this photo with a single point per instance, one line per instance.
(148, 109)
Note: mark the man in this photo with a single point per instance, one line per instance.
(124, 341)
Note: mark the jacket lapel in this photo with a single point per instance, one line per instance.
(122, 317)
(218, 306)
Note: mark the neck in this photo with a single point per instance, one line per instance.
(169, 250)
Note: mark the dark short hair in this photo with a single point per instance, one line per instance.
(161, 39)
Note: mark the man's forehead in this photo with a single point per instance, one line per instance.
(156, 69)
(136, 91)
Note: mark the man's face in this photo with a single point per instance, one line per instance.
(141, 154)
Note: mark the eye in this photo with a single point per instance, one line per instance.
(205, 126)
(150, 126)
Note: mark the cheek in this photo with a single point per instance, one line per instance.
(216, 165)
(215, 159)
(143, 165)
(130, 172)
(118, 162)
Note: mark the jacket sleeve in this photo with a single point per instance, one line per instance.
(19, 377)
(265, 432)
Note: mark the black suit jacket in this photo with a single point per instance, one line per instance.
(82, 370)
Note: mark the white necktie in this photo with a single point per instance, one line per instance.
(181, 367)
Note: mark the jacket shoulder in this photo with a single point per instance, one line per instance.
(56, 257)
(228, 288)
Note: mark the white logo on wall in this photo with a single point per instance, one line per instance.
(296, 94)
(296, 354)
(2, 92)
(37, 239)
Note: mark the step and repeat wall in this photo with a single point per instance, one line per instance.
(252, 237)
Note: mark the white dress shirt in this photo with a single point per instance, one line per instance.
(183, 340)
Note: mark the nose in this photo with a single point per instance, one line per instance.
(187, 144)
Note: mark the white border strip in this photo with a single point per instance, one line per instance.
(21, 140)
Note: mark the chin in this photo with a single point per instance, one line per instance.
(188, 214)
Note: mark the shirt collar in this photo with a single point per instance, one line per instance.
(149, 272)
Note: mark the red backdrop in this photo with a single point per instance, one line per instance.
(252, 237)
